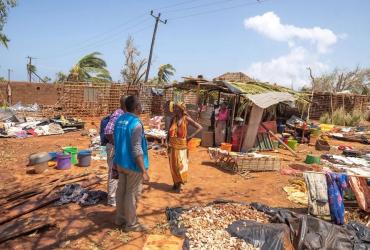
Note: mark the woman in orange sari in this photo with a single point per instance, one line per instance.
(177, 142)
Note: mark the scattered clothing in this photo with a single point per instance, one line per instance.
(318, 203)
(360, 187)
(337, 183)
(178, 151)
(297, 191)
(75, 193)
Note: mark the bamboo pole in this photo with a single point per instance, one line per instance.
(277, 138)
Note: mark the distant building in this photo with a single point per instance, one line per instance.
(234, 77)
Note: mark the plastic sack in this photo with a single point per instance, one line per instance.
(263, 236)
(362, 231)
(308, 232)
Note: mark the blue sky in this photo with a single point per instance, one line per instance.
(274, 41)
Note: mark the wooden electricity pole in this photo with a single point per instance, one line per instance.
(157, 20)
(29, 70)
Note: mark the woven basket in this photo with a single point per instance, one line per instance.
(245, 163)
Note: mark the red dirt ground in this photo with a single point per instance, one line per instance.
(93, 228)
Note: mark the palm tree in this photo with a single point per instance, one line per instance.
(165, 71)
(4, 7)
(90, 68)
(60, 77)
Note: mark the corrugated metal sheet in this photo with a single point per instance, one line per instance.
(268, 99)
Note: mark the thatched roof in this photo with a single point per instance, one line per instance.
(253, 88)
(234, 77)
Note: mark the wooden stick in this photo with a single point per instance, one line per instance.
(20, 227)
(39, 201)
(277, 138)
(41, 188)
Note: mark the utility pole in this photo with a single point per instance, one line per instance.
(29, 68)
(157, 20)
(9, 89)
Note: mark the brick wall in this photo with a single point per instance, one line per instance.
(322, 103)
(30, 93)
(80, 99)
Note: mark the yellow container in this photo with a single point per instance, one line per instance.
(326, 127)
(226, 146)
(194, 143)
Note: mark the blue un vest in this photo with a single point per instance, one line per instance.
(123, 130)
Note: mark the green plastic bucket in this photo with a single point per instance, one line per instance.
(311, 159)
(73, 152)
(315, 132)
(292, 144)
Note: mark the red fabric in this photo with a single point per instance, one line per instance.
(223, 115)
(236, 137)
(32, 132)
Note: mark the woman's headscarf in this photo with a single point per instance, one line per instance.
(181, 105)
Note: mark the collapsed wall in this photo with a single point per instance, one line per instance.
(86, 100)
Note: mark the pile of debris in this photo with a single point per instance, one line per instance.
(206, 225)
(12, 125)
(232, 225)
(18, 203)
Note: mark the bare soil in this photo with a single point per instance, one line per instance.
(93, 228)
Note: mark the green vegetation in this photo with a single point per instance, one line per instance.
(90, 68)
(343, 118)
(165, 71)
(4, 7)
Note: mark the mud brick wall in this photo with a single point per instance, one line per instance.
(86, 100)
(322, 103)
(30, 93)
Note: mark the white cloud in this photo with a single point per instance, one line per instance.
(288, 69)
(291, 68)
(269, 24)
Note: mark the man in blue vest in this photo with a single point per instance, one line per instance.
(131, 160)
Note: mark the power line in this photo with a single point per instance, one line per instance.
(220, 9)
(124, 24)
(107, 33)
(200, 6)
(176, 4)
(93, 44)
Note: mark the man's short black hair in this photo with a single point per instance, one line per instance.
(122, 101)
(131, 103)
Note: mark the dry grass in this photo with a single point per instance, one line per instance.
(343, 118)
